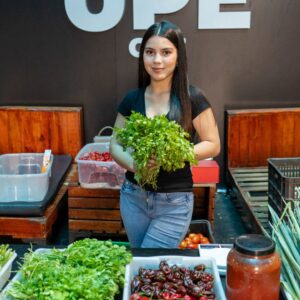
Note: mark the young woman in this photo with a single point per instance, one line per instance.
(160, 218)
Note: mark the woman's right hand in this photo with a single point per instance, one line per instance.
(152, 163)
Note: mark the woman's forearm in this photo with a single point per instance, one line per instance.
(123, 158)
(206, 149)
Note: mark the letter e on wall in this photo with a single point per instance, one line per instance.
(144, 11)
(210, 17)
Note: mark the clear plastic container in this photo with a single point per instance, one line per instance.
(253, 269)
(98, 174)
(21, 178)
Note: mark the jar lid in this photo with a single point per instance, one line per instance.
(254, 244)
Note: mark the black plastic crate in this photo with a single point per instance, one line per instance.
(284, 182)
(202, 226)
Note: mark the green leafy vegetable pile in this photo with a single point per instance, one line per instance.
(156, 137)
(87, 269)
(5, 254)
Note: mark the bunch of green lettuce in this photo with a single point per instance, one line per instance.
(87, 269)
(156, 137)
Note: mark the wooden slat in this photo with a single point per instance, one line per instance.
(253, 184)
(248, 170)
(94, 203)
(251, 178)
(259, 198)
(92, 214)
(100, 226)
(255, 188)
(77, 191)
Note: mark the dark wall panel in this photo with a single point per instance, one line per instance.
(46, 60)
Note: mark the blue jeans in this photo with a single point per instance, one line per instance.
(155, 220)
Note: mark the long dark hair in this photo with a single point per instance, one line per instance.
(180, 104)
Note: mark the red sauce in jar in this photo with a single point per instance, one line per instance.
(253, 269)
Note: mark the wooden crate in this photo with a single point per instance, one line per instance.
(204, 204)
(97, 211)
(92, 211)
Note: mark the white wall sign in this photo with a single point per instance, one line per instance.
(209, 15)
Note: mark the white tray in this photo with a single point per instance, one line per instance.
(188, 262)
(6, 270)
(217, 251)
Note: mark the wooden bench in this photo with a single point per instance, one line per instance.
(34, 129)
(253, 136)
(96, 212)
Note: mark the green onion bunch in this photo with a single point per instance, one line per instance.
(285, 231)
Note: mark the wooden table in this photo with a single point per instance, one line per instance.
(97, 211)
(37, 230)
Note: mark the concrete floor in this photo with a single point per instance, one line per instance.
(228, 223)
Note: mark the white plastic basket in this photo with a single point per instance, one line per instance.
(188, 262)
(99, 138)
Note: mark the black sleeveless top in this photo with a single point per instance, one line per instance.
(181, 179)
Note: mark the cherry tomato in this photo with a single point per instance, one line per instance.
(204, 240)
(192, 246)
(188, 240)
(196, 239)
(183, 244)
(191, 235)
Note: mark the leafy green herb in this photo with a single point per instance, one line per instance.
(5, 254)
(155, 137)
(87, 269)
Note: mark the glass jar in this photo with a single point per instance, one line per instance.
(253, 269)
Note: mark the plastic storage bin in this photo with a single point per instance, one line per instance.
(283, 182)
(5, 271)
(99, 174)
(187, 262)
(21, 178)
(202, 226)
